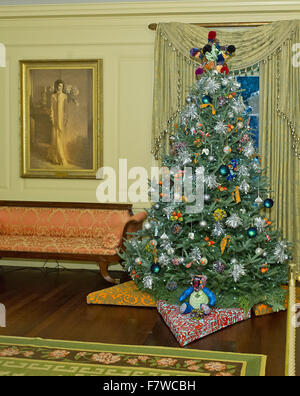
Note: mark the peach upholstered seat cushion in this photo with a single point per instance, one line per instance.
(60, 221)
(73, 245)
(61, 230)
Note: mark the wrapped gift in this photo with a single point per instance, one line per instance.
(186, 329)
(264, 309)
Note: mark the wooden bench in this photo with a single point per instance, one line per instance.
(67, 231)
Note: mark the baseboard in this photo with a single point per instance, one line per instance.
(54, 264)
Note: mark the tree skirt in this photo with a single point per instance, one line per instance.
(126, 294)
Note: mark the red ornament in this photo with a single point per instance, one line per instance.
(225, 70)
(212, 35)
(268, 238)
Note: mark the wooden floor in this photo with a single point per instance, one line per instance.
(51, 304)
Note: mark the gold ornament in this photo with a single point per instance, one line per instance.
(236, 195)
(225, 241)
(219, 214)
(213, 111)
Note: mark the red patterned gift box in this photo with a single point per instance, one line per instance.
(187, 330)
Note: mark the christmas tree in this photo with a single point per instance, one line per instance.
(231, 240)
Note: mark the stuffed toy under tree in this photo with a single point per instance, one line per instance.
(231, 241)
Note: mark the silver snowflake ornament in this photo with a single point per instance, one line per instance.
(243, 171)
(218, 229)
(211, 85)
(238, 105)
(195, 255)
(244, 187)
(190, 112)
(260, 223)
(279, 252)
(163, 259)
(148, 282)
(234, 221)
(237, 271)
(183, 158)
(211, 181)
(220, 127)
(249, 150)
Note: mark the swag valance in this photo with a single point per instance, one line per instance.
(271, 49)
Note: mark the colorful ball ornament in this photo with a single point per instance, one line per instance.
(176, 229)
(203, 261)
(155, 268)
(252, 232)
(227, 150)
(259, 251)
(268, 203)
(222, 101)
(218, 266)
(224, 170)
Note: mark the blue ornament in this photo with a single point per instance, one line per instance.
(155, 268)
(252, 232)
(206, 99)
(232, 169)
(268, 203)
(194, 51)
(224, 170)
(220, 59)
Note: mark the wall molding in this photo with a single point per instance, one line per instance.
(157, 8)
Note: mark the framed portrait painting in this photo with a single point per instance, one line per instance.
(62, 118)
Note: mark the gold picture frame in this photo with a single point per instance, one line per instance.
(61, 118)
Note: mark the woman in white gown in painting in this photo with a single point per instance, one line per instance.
(58, 117)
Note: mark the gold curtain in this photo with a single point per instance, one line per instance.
(270, 49)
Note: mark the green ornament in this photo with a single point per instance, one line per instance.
(268, 203)
(224, 170)
(252, 232)
(155, 268)
(206, 99)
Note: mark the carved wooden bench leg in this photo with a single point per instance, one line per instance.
(103, 269)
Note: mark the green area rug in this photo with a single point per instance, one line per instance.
(42, 357)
